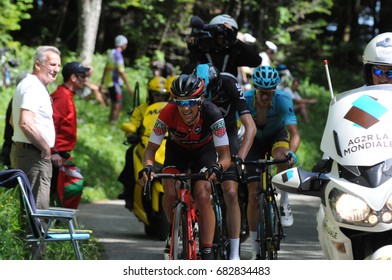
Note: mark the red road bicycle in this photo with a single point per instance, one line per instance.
(184, 232)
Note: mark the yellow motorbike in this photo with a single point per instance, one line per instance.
(149, 211)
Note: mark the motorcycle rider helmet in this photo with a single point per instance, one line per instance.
(266, 77)
(221, 19)
(187, 86)
(120, 40)
(212, 80)
(169, 82)
(377, 52)
(157, 90)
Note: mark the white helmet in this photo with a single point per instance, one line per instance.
(271, 46)
(120, 40)
(377, 52)
(221, 19)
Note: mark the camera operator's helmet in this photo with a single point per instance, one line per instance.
(377, 52)
(187, 86)
(157, 90)
(211, 76)
(265, 77)
(221, 19)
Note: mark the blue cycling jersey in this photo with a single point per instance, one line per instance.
(279, 115)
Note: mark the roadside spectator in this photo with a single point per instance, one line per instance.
(221, 49)
(90, 88)
(7, 144)
(269, 50)
(286, 78)
(34, 133)
(300, 104)
(114, 76)
(64, 116)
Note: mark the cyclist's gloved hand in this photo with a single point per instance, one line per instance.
(291, 155)
(217, 170)
(148, 169)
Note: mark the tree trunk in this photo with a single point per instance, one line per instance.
(89, 13)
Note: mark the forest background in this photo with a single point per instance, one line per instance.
(306, 32)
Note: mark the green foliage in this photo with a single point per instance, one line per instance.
(11, 13)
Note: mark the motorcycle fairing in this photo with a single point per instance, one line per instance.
(358, 131)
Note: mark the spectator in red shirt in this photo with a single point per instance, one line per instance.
(64, 115)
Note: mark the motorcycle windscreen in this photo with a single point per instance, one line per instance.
(358, 130)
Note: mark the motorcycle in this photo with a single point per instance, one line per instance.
(354, 178)
(149, 210)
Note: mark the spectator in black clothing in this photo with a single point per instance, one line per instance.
(216, 43)
(7, 144)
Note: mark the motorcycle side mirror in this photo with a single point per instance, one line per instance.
(299, 181)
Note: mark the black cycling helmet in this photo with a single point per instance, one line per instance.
(266, 77)
(211, 76)
(186, 85)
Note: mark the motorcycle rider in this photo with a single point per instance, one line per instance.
(277, 134)
(137, 132)
(377, 69)
(224, 90)
(197, 132)
(377, 60)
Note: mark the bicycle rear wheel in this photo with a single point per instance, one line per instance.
(265, 229)
(221, 243)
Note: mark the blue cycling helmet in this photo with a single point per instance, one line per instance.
(266, 77)
(211, 76)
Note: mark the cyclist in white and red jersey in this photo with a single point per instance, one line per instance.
(224, 90)
(197, 142)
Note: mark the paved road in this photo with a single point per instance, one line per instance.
(123, 238)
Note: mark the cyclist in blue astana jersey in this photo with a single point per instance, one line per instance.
(277, 135)
(224, 90)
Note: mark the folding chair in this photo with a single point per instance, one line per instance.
(40, 232)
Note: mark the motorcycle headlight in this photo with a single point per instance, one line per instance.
(347, 208)
(389, 202)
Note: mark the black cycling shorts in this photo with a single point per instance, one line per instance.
(260, 148)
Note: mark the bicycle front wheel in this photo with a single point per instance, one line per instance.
(265, 230)
(183, 243)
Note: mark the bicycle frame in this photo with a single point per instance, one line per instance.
(270, 231)
(184, 217)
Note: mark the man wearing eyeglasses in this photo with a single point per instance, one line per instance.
(377, 60)
(224, 90)
(64, 115)
(277, 135)
(197, 142)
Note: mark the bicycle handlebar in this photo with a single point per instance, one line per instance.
(263, 162)
(180, 177)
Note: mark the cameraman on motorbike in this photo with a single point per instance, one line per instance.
(216, 43)
(138, 131)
